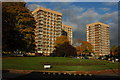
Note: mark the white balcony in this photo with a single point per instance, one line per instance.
(41, 16)
(59, 17)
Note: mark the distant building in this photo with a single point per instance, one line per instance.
(48, 27)
(67, 30)
(99, 36)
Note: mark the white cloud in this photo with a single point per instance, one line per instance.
(110, 16)
(71, 24)
(32, 7)
(77, 18)
(89, 14)
(105, 9)
(110, 3)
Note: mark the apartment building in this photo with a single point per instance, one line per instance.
(48, 27)
(67, 30)
(98, 34)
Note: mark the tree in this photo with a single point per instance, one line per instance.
(115, 50)
(18, 27)
(63, 47)
(83, 47)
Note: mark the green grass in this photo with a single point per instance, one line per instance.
(58, 64)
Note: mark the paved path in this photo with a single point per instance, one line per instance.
(112, 71)
(38, 75)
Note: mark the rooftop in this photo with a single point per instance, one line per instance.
(45, 9)
(67, 26)
(96, 23)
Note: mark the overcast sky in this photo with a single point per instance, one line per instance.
(78, 14)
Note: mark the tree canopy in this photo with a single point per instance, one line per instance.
(17, 27)
(115, 50)
(63, 47)
(83, 47)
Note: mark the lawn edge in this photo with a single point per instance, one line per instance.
(67, 72)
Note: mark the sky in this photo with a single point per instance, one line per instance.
(78, 14)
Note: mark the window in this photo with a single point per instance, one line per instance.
(41, 19)
(59, 25)
(99, 25)
(35, 13)
(41, 22)
(40, 26)
(40, 30)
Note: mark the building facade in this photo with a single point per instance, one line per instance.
(99, 36)
(48, 27)
(68, 30)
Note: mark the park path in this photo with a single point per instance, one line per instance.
(111, 71)
(37, 74)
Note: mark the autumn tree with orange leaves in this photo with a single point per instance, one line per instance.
(115, 50)
(83, 47)
(63, 47)
(17, 27)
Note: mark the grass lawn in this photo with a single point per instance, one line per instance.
(58, 64)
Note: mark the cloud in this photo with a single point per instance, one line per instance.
(89, 15)
(32, 7)
(105, 9)
(71, 16)
(114, 33)
(79, 20)
(113, 17)
(110, 3)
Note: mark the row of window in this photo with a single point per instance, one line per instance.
(49, 16)
(49, 26)
(45, 46)
(49, 30)
(45, 49)
(52, 23)
(46, 13)
(50, 36)
(97, 28)
(46, 35)
(41, 23)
